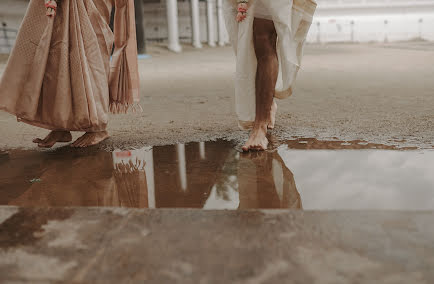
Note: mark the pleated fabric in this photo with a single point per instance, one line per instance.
(59, 74)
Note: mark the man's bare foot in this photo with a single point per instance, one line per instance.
(273, 112)
(52, 138)
(258, 139)
(90, 139)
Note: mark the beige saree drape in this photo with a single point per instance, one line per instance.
(292, 20)
(59, 74)
(92, 181)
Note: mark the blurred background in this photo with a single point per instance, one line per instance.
(176, 23)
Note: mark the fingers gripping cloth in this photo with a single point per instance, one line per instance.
(51, 6)
(242, 9)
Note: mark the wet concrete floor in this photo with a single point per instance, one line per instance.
(299, 174)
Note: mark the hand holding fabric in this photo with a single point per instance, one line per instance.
(51, 6)
(242, 10)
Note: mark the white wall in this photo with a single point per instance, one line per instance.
(376, 28)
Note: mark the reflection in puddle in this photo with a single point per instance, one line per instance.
(214, 175)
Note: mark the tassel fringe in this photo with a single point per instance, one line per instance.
(130, 167)
(124, 108)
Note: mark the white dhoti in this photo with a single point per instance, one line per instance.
(292, 20)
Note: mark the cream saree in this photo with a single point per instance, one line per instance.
(292, 20)
(59, 75)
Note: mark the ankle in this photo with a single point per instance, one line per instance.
(260, 126)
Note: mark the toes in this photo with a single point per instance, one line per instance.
(86, 142)
(80, 144)
(37, 140)
(46, 145)
(247, 147)
(90, 139)
(257, 148)
(77, 142)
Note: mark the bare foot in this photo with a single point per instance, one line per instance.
(90, 139)
(257, 140)
(52, 138)
(273, 112)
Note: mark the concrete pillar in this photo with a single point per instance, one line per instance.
(5, 37)
(195, 27)
(150, 177)
(220, 23)
(386, 36)
(172, 25)
(140, 27)
(210, 17)
(202, 150)
(182, 165)
(420, 28)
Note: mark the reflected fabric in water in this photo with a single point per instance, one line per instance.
(214, 175)
(198, 175)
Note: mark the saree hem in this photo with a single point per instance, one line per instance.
(47, 126)
(56, 128)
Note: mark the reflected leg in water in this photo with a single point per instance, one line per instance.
(266, 182)
(186, 174)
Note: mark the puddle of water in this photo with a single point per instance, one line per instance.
(214, 175)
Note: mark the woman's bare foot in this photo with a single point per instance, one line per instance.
(258, 139)
(52, 138)
(90, 139)
(273, 112)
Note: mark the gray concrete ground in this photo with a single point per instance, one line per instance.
(188, 246)
(377, 93)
